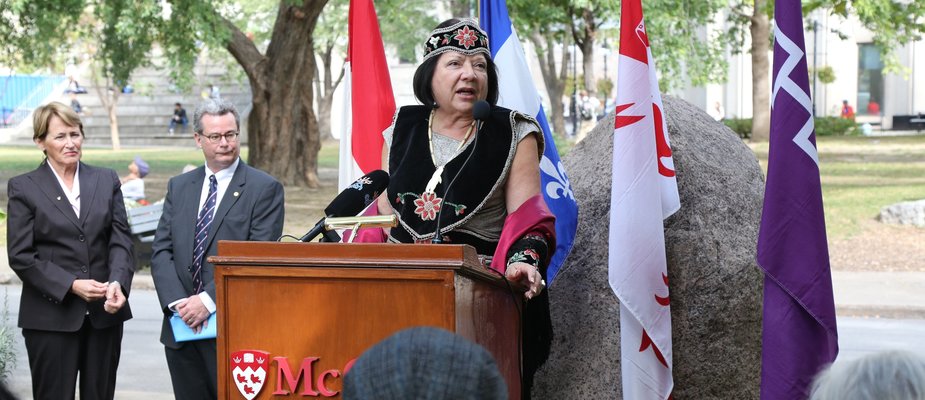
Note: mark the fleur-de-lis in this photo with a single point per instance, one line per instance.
(560, 186)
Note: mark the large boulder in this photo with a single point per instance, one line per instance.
(715, 283)
(905, 213)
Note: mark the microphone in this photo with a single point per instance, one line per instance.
(481, 110)
(350, 202)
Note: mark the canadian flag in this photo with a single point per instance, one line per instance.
(369, 94)
(644, 192)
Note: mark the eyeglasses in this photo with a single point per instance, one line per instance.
(230, 137)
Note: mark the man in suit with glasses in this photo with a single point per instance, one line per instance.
(225, 199)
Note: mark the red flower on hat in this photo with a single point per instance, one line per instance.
(466, 37)
(427, 206)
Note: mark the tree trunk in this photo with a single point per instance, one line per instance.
(108, 98)
(554, 81)
(114, 127)
(761, 87)
(587, 51)
(282, 127)
(325, 91)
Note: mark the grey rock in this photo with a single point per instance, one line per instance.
(715, 283)
(905, 213)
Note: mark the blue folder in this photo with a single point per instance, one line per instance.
(183, 333)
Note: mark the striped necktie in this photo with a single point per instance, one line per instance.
(202, 233)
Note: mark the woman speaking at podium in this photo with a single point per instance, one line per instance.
(463, 171)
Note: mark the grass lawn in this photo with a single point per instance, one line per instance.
(861, 175)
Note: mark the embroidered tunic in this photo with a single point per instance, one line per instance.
(474, 210)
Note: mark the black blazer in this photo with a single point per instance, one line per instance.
(251, 209)
(50, 248)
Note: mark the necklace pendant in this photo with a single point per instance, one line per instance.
(435, 180)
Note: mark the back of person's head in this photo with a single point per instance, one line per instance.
(892, 375)
(425, 363)
(143, 167)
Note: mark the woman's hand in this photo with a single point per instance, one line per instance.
(89, 289)
(528, 276)
(115, 299)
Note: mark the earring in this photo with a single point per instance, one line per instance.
(436, 105)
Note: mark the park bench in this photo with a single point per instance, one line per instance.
(143, 223)
(918, 122)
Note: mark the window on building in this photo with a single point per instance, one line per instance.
(870, 80)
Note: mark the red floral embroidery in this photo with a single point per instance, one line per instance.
(427, 206)
(466, 37)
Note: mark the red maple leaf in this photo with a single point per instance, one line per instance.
(661, 143)
(625, 120)
(646, 343)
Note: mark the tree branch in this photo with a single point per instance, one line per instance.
(244, 51)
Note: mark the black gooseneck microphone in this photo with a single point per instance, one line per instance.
(481, 110)
(351, 201)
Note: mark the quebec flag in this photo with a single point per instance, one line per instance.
(517, 92)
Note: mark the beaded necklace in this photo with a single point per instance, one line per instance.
(436, 178)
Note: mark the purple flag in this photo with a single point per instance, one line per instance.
(799, 336)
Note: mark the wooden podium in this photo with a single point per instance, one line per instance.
(304, 311)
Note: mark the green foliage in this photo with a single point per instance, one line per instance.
(191, 27)
(563, 145)
(741, 126)
(405, 25)
(574, 85)
(44, 34)
(682, 56)
(835, 126)
(36, 33)
(673, 26)
(604, 87)
(825, 126)
(894, 22)
(826, 74)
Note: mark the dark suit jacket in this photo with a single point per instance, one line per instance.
(251, 209)
(49, 247)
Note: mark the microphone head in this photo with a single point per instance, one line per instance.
(481, 110)
(352, 200)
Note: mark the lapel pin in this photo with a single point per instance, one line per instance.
(59, 198)
(236, 194)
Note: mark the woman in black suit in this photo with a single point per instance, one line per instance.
(68, 240)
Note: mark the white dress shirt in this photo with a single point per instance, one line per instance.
(72, 195)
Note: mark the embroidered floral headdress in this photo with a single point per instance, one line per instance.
(462, 37)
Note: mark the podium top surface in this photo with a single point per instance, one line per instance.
(462, 258)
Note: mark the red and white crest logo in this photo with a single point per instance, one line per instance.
(249, 371)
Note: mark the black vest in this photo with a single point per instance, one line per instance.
(411, 166)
